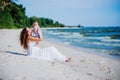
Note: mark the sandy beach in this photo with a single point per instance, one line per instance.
(16, 65)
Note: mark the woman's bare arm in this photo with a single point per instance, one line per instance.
(34, 39)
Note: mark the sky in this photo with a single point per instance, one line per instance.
(75, 12)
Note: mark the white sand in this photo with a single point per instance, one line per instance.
(84, 66)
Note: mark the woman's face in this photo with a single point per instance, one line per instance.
(29, 30)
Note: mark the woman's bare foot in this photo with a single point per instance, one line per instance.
(68, 60)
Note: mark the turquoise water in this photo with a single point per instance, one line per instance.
(101, 39)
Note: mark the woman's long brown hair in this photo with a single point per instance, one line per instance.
(24, 38)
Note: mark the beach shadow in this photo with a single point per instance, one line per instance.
(15, 53)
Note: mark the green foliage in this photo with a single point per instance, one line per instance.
(45, 22)
(6, 21)
(18, 14)
(13, 16)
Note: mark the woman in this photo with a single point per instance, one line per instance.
(29, 43)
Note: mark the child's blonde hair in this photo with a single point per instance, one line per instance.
(35, 26)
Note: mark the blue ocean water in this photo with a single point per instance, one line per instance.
(101, 39)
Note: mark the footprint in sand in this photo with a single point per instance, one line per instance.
(107, 70)
(89, 74)
(9, 46)
(53, 63)
(19, 77)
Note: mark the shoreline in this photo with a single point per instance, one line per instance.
(101, 52)
(86, 50)
(84, 65)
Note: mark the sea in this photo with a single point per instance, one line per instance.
(105, 40)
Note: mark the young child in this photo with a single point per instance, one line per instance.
(36, 31)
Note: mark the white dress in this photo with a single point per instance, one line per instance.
(49, 53)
